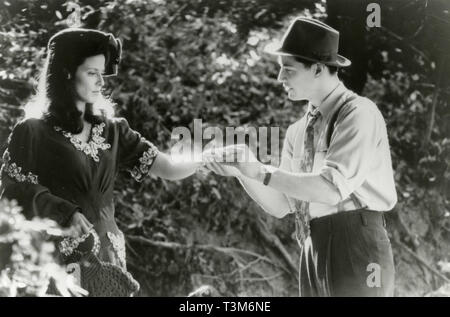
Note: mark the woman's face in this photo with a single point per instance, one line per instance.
(89, 78)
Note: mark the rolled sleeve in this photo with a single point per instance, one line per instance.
(286, 157)
(350, 156)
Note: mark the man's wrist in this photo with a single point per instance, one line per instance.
(260, 176)
(264, 175)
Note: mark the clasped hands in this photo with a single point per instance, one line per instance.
(233, 160)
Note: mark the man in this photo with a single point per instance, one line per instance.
(335, 173)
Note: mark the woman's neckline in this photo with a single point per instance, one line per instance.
(95, 141)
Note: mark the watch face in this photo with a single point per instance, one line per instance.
(267, 175)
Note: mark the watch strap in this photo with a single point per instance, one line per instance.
(267, 177)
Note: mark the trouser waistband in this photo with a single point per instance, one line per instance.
(363, 216)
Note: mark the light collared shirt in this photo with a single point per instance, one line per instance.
(357, 160)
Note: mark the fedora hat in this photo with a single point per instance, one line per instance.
(311, 40)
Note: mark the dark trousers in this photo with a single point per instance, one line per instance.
(347, 254)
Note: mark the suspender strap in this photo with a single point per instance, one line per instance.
(330, 131)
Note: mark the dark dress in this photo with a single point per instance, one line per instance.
(52, 174)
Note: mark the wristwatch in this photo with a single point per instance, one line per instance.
(267, 175)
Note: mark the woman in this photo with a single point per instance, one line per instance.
(62, 161)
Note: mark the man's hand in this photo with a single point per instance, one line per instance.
(80, 224)
(223, 170)
(213, 159)
(237, 157)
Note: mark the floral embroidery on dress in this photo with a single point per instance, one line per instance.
(118, 243)
(15, 172)
(91, 148)
(146, 161)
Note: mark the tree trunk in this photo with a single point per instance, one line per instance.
(349, 18)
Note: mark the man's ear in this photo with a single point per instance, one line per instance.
(319, 69)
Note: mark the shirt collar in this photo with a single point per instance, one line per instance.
(330, 101)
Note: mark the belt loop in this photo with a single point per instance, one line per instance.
(363, 218)
(339, 207)
(356, 201)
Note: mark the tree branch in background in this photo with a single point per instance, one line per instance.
(275, 242)
(234, 253)
(174, 245)
(440, 66)
(421, 261)
(175, 16)
(8, 107)
(401, 39)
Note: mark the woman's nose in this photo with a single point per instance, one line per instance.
(280, 76)
(100, 81)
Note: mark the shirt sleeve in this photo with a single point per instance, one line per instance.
(136, 154)
(288, 149)
(352, 147)
(286, 157)
(20, 181)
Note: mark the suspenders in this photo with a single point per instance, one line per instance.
(330, 131)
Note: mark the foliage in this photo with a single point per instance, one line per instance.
(28, 266)
(204, 59)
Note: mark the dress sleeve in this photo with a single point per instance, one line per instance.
(19, 179)
(136, 154)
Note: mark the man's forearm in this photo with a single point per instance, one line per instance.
(271, 200)
(310, 187)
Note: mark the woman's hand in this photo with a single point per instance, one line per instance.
(212, 159)
(80, 224)
(234, 160)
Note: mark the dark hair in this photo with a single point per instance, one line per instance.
(55, 97)
(332, 69)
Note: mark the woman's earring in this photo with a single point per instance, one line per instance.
(68, 76)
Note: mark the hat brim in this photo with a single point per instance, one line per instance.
(340, 61)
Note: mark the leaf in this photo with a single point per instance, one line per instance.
(58, 15)
(216, 193)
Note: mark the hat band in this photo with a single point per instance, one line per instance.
(324, 57)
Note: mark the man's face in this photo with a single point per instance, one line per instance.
(298, 80)
(89, 79)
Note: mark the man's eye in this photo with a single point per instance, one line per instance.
(92, 74)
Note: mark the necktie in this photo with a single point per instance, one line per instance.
(302, 216)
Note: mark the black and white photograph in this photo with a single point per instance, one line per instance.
(247, 150)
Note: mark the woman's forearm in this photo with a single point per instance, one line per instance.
(167, 168)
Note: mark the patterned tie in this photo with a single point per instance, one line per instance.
(302, 207)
